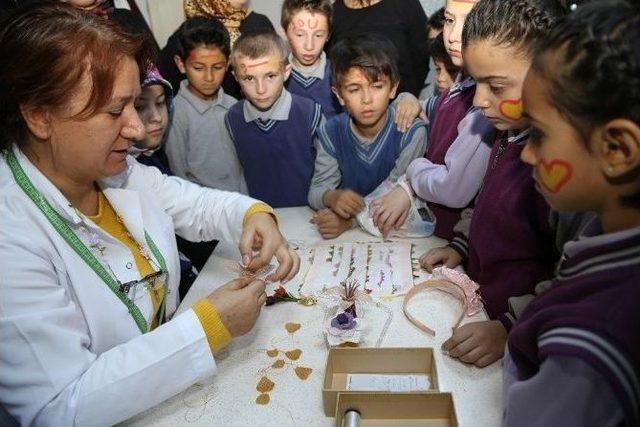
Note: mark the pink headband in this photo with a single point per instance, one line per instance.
(452, 282)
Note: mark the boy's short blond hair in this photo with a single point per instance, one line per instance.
(257, 44)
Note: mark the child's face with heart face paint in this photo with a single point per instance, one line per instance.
(567, 173)
(499, 71)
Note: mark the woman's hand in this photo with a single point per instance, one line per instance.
(238, 303)
(261, 233)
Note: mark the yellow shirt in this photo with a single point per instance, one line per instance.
(108, 220)
(218, 336)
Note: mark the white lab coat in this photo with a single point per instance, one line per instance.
(70, 353)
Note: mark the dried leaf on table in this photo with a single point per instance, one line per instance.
(293, 354)
(303, 373)
(263, 399)
(265, 385)
(292, 327)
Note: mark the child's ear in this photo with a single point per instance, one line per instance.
(619, 147)
(287, 71)
(38, 121)
(394, 89)
(180, 64)
(336, 92)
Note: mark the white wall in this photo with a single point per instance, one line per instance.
(167, 15)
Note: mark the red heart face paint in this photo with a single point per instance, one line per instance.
(511, 109)
(554, 174)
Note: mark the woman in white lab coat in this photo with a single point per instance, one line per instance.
(90, 270)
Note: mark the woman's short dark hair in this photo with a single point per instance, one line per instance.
(590, 66)
(45, 53)
(516, 23)
(375, 55)
(202, 31)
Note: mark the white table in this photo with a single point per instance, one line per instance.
(228, 399)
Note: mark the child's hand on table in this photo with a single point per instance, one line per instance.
(407, 108)
(391, 210)
(477, 343)
(445, 255)
(329, 224)
(346, 203)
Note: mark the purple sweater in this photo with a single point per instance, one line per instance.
(511, 243)
(590, 313)
(450, 110)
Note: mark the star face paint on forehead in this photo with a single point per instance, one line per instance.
(554, 174)
(511, 109)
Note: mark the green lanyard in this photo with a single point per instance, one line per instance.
(79, 247)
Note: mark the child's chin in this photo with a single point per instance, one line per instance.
(148, 145)
(501, 125)
(369, 119)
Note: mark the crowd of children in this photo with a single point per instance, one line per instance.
(486, 201)
(319, 128)
(536, 112)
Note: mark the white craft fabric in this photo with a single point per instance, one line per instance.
(414, 226)
(380, 268)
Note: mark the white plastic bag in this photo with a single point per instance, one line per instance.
(420, 221)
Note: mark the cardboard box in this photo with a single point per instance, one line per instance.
(344, 361)
(399, 409)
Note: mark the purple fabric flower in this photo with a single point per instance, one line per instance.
(343, 321)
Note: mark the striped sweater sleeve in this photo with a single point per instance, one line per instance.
(603, 356)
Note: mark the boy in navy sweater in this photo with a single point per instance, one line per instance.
(307, 25)
(359, 149)
(271, 129)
